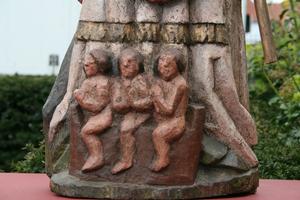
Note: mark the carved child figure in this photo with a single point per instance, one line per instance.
(130, 96)
(170, 97)
(94, 97)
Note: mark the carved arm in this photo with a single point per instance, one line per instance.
(139, 94)
(167, 106)
(119, 99)
(141, 104)
(91, 103)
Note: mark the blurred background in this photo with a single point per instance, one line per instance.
(35, 34)
(34, 38)
(33, 31)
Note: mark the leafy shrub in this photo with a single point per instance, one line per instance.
(34, 160)
(275, 96)
(21, 101)
(275, 103)
(277, 151)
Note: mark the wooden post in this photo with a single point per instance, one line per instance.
(265, 31)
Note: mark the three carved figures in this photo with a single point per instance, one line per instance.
(132, 95)
(149, 69)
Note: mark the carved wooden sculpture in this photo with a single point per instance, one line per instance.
(170, 99)
(94, 96)
(130, 95)
(201, 66)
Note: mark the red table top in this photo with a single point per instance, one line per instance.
(15, 186)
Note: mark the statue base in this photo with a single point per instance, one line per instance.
(210, 182)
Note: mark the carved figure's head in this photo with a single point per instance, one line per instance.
(168, 64)
(131, 63)
(96, 62)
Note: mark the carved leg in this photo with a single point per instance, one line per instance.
(226, 90)
(95, 150)
(162, 136)
(127, 142)
(129, 125)
(224, 129)
(95, 125)
(162, 148)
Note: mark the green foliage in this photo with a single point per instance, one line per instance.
(275, 96)
(278, 148)
(33, 161)
(21, 101)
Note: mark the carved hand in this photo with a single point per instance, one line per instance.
(139, 86)
(137, 93)
(57, 118)
(78, 95)
(156, 91)
(137, 89)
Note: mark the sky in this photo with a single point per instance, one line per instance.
(31, 30)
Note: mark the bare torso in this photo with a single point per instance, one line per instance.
(178, 105)
(131, 95)
(94, 94)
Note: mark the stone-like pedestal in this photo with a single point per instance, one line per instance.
(210, 182)
(139, 182)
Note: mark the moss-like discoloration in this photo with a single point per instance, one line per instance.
(152, 32)
(63, 162)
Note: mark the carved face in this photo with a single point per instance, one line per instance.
(167, 67)
(129, 66)
(90, 66)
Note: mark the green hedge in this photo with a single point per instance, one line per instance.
(21, 102)
(275, 99)
(275, 104)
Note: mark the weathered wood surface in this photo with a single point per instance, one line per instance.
(218, 24)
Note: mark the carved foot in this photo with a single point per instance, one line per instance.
(121, 166)
(159, 164)
(92, 163)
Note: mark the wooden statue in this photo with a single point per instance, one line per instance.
(178, 86)
(131, 95)
(170, 99)
(94, 96)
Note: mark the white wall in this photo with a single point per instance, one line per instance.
(253, 36)
(244, 10)
(31, 30)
